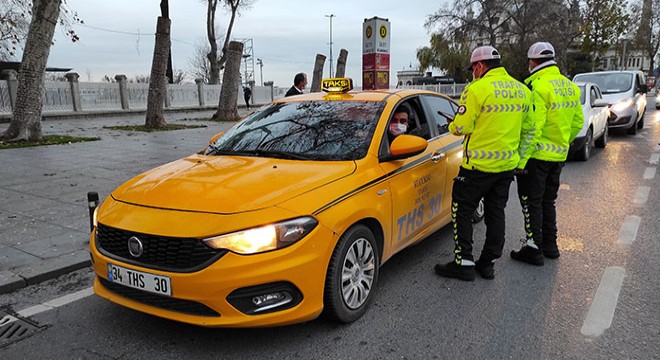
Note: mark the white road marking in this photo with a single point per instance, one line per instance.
(642, 194)
(600, 315)
(628, 231)
(649, 173)
(654, 159)
(55, 303)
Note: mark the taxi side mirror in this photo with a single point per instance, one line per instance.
(215, 137)
(404, 146)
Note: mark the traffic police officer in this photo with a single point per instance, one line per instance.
(492, 117)
(558, 118)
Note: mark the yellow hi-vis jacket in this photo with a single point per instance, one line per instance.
(493, 116)
(556, 111)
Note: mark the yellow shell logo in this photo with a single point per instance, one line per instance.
(383, 31)
(369, 32)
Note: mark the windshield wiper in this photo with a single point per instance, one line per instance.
(259, 153)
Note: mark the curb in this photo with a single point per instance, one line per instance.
(18, 278)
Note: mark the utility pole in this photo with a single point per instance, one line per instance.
(330, 16)
(261, 70)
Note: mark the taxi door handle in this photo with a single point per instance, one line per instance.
(437, 157)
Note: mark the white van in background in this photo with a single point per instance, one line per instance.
(625, 91)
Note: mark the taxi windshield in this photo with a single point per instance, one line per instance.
(313, 130)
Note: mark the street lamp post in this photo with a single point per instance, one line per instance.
(261, 70)
(330, 16)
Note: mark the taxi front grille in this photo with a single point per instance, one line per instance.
(159, 252)
(159, 301)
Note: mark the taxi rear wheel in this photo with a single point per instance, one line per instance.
(352, 275)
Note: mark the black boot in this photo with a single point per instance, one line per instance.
(485, 269)
(453, 270)
(528, 255)
(550, 249)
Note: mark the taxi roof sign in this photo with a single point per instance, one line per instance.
(337, 85)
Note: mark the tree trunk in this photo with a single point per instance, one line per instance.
(317, 75)
(228, 103)
(341, 63)
(214, 73)
(157, 80)
(234, 5)
(26, 122)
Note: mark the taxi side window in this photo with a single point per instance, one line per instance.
(418, 124)
(442, 110)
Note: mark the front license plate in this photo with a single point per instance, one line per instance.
(153, 283)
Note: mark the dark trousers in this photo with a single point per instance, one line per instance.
(537, 190)
(470, 186)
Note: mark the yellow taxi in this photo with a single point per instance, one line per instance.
(286, 216)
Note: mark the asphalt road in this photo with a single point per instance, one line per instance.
(599, 300)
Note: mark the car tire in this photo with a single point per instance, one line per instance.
(479, 212)
(601, 142)
(632, 130)
(352, 275)
(584, 153)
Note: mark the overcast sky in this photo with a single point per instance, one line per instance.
(118, 35)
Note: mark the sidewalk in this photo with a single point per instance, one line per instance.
(44, 218)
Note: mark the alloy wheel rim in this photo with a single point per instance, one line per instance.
(357, 274)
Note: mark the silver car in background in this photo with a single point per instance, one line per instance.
(595, 130)
(625, 91)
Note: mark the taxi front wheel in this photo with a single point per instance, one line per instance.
(352, 275)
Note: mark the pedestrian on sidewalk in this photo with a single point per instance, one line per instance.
(299, 83)
(247, 94)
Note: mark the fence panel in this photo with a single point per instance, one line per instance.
(5, 101)
(99, 96)
(183, 95)
(212, 94)
(57, 96)
(137, 95)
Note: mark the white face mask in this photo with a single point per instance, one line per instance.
(397, 129)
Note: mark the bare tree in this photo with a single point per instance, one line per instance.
(158, 83)
(26, 122)
(15, 18)
(647, 38)
(228, 103)
(14, 26)
(217, 61)
(605, 21)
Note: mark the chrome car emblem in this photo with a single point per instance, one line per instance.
(135, 247)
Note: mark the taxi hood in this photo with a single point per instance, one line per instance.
(228, 184)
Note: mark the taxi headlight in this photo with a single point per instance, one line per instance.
(264, 238)
(95, 218)
(622, 105)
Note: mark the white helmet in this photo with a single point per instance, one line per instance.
(482, 53)
(541, 50)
